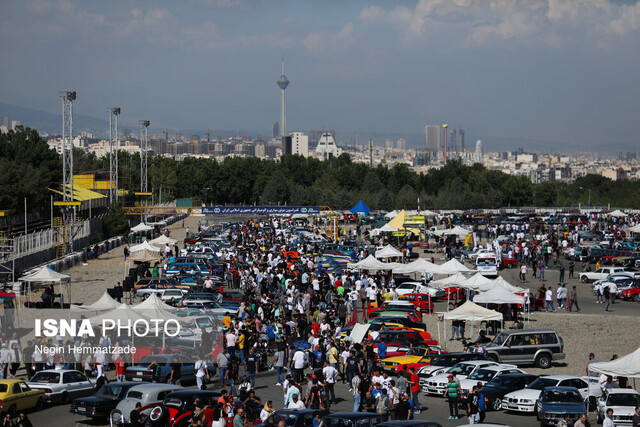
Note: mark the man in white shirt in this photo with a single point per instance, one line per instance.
(548, 297)
(608, 422)
(330, 373)
(295, 404)
(298, 361)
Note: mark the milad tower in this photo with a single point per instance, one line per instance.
(283, 82)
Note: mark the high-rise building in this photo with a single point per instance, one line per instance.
(461, 132)
(299, 144)
(283, 83)
(327, 147)
(401, 144)
(276, 129)
(388, 144)
(315, 135)
(433, 137)
(479, 152)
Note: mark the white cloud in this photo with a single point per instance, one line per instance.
(488, 21)
(326, 42)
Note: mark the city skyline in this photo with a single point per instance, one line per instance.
(533, 71)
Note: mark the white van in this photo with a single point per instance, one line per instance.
(487, 264)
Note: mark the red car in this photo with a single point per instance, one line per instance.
(232, 296)
(630, 293)
(421, 301)
(390, 306)
(507, 262)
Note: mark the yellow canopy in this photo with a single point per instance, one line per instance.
(82, 194)
(398, 221)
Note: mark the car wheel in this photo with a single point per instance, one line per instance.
(156, 415)
(145, 296)
(509, 265)
(64, 398)
(115, 418)
(39, 404)
(543, 361)
(496, 405)
(583, 279)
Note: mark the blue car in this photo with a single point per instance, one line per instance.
(555, 402)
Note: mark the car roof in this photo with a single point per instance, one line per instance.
(60, 371)
(560, 389)
(527, 331)
(12, 381)
(154, 386)
(622, 391)
(194, 393)
(560, 377)
(499, 367)
(474, 362)
(353, 415)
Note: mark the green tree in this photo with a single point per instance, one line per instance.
(115, 223)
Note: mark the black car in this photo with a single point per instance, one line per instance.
(291, 418)
(103, 401)
(177, 407)
(352, 419)
(495, 389)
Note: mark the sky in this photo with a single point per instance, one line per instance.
(549, 70)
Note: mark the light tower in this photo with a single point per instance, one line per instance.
(67, 144)
(283, 82)
(444, 143)
(113, 153)
(144, 147)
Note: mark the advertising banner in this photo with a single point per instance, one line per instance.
(260, 210)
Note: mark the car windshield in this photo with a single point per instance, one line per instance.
(541, 383)
(502, 382)
(46, 377)
(500, 339)
(3, 388)
(462, 369)
(562, 396)
(416, 352)
(623, 399)
(289, 419)
(110, 391)
(482, 375)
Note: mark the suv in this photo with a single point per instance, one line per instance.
(525, 346)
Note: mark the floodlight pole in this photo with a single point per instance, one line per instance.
(144, 146)
(113, 154)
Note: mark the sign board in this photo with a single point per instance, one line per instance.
(66, 203)
(468, 240)
(359, 332)
(260, 210)
(414, 220)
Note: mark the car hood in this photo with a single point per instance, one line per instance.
(526, 393)
(136, 368)
(621, 410)
(402, 360)
(444, 378)
(468, 384)
(560, 407)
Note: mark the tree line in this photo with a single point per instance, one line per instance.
(28, 167)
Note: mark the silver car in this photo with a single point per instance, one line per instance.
(62, 386)
(149, 396)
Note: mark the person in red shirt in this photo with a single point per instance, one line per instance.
(120, 369)
(414, 383)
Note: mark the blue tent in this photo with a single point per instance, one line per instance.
(360, 208)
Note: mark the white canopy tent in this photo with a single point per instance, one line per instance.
(384, 229)
(420, 266)
(453, 266)
(476, 281)
(141, 228)
(457, 231)
(144, 246)
(163, 240)
(105, 303)
(625, 366)
(455, 280)
(617, 213)
(635, 229)
(388, 252)
(392, 214)
(500, 282)
(469, 311)
(46, 274)
(498, 295)
(154, 308)
(370, 263)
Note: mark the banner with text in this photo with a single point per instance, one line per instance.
(260, 210)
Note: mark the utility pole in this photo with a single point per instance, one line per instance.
(113, 154)
(144, 148)
(370, 152)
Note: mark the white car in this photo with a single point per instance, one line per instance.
(600, 274)
(62, 386)
(437, 383)
(176, 294)
(623, 401)
(485, 375)
(149, 395)
(419, 288)
(524, 400)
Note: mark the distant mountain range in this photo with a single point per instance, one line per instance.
(52, 123)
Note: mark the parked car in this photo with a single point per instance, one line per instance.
(623, 401)
(441, 362)
(438, 382)
(409, 423)
(523, 400)
(293, 418)
(600, 273)
(141, 372)
(495, 389)
(176, 294)
(16, 395)
(149, 396)
(192, 268)
(349, 419)
(526, 346)
(422, 302)
(102, 402)
(61, 385)
(159, 289)
(485, 375)
(177, 408)
(415, 355)
(555, 402)
(146, 281)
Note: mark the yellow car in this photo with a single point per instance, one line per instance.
(414, 355)
(16, 395)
